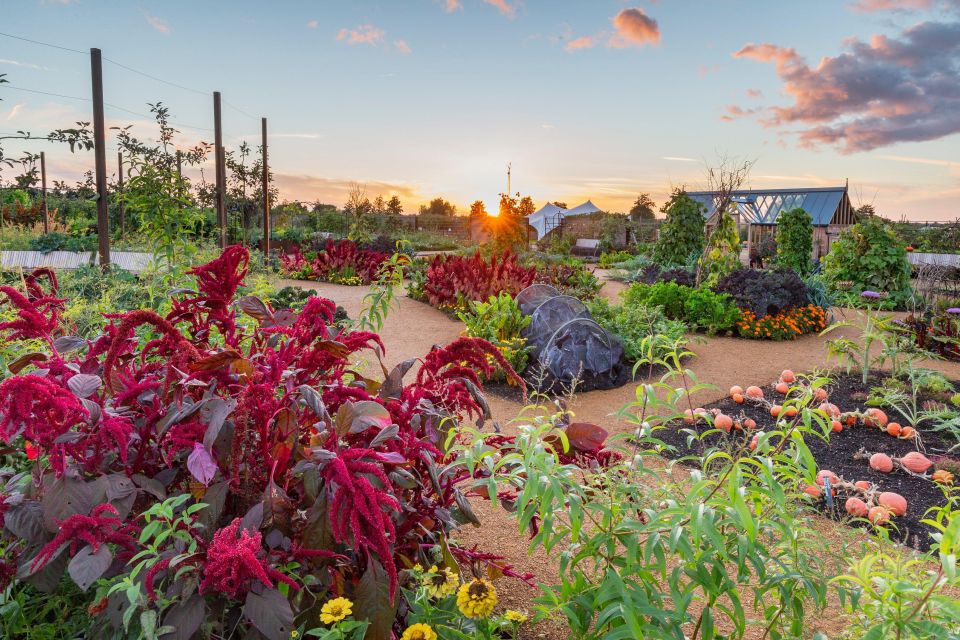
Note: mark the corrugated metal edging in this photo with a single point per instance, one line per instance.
(67, 260)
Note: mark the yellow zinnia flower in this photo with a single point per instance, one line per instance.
(419, 631)
(440, 583)
(335, 610)
(477, 598)
(515, 616)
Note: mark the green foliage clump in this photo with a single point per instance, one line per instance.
(681, 234)
(500, 322)
(722, 254)
(869, 257)
(795, 240)
(699, 308)
(608, 260)
(56, 241)
(645, 331)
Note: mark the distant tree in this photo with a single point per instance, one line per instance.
(438, 207)
(562, 205)
(865, 210)
(321, 207)
(644, 208)
(478, 209)
(394, 207)
(358, 204)
(526, 208)
(508, 227)
(379, 205)
(681, 238)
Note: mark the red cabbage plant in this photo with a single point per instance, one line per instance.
(341, 262)
(453, 281)
(226, 464)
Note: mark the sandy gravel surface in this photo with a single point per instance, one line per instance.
(412, 328)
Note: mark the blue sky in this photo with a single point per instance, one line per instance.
(599, 99)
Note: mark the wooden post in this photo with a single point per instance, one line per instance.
(43, 187)
(123, 212)
(266, 190)
(100, 153)
(221, 171)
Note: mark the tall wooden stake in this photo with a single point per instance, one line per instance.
(123, 212)
(221, 171)
(266, 189)
(180, 177)
(43, 187)
(100, 154)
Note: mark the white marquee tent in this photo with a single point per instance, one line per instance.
(547, 217)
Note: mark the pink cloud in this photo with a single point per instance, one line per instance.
(159, 25)
(583, 42)
(634, 28)
(452, 5)
(402, 46)
(870, 6)
(364, 34)
(503, 6)
(899, 88)
(754, 93)
(313, 24)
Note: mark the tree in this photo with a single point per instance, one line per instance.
(394, 207)
(795, 240)
(643, 208)
(865, 210)
(526, 207)
(379, 206)
(562, 205)
(509, 226)
(681, 234)
(478, 209)
(438, 207)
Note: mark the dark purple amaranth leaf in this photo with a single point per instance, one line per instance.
(88, 565)
(66, 496)
(392, 386)
(270, 613)
(26, 360)
(185, 617)
(66, 344)
(214, 498)
(256, 309)
(371, 601)
(315, 402)
(25, 521)
(215, 414)
(253, 519)
(201, 464)
(465, 510)
(84, 385)
(150, 485)
(46, 579)
(357, 417)
(585, 436)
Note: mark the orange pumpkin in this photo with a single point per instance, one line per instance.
(782, 388)
(775, 410)
(736, 390)
(754, 442)
(787, 376)
(878, 515)
(750, 424)
(874, 417)
(813, 490)
(881, 462)
(836, 426)
(863, 484)
(850, 419)
(857, 507)
(832, 410)
(688, 416)
(826, 473)
(908, 433)
(723, 421)
(790, 412)
(820, 395)
(738, 398)
(754, 392)
(916, 462)
(894, 502)
(893, 429)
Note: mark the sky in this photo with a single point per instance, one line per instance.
(598, 100)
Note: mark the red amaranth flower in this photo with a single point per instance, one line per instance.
(235, 561)
(38, 408)
(95, 529)
(31, 321)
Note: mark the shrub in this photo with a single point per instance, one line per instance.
(452, 281)
(722, 254)
(609, 260)
(785, 325)
(681, 234)
(569, 277)
(644, 330)
(500, 322)
(699, 308)
(764, 292)
(205, 468)
(653, 273)
(340, 262)
(795, 240)
(869, 257)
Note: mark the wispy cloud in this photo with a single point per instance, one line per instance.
(159, 25)
(679, 159)
(631, 28)
(313, 24)
(24, 65)
(452, 5)
(952, 164)
(17, 108)
(364, 34)
(336, 190)
(870, 6)
(583, 42)
(503, 6)
(401, 46)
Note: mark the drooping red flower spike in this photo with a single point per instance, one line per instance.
(96, 529)
(235, 559)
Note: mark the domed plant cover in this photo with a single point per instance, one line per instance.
(869, 257)
(681, 234)
(795, 240)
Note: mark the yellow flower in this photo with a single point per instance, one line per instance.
(515, 616)
(477, 598)
(335, 610)
(419, 631)
(294, 634)
(440, 583)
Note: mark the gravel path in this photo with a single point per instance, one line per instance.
(413, 327)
